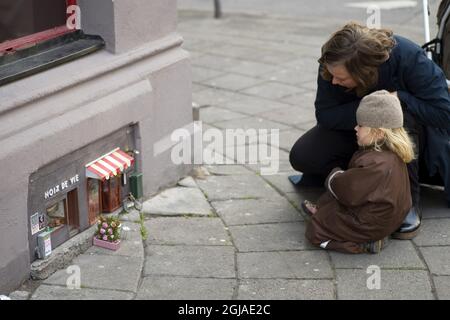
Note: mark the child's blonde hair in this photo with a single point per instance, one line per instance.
(396, 140)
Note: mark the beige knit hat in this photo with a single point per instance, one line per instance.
(380, 109)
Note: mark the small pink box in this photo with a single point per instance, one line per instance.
(107, 244)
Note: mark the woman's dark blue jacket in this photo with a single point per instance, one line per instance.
(421, 86)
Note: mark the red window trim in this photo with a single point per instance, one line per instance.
(32, 39)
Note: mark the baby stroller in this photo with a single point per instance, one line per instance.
(438, 50)
(439, 47)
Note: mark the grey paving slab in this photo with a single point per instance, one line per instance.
(301, 194)
(282, 166)
(213, 96)
(103, 272)
(259, 157)
(352, 284)
(274, 57)
(290, 76)
(227, 170)
(190, 45)
(317, 22)
(291, 264)
(282, 155)
(437, 259)
(132, 246)
(236, 187)
(219, 138)
(433, 232)
(233, 82)
(304, 99)
(272, 90)
(306, 126)
(303, 50)
(233, 51)
(310, 85)
(281, 181)
(178, 200)
(132, 216)
(198, 87)
(290, 116)
(433, 204)
(206, 127)
(187, 231)
(216, 62)
(180, 288)
(251, 211)
(288, 138)
(187, 182)
(268, 289)
(190, 261)
(252, 68)
(253, 105)
(270, 237)
(200, 74)
(262, 34)
(131, 231)
(214, 114)
(399, 254)
(315, 37)
(195, 54)
(200, 46)
(251, 123)
(304, 64)
(212, 157)
(308, 120)
(281, 162)
(46, 292)
(442, 284)
(20, 295)
(261, 136)
(255, 44)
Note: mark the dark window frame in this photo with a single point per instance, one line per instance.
(43, 50)
(12, 45)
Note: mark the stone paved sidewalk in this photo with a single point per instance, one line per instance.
(231, 233)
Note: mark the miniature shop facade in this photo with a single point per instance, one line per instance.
(67, 196)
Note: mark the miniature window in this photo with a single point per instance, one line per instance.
(57, 214)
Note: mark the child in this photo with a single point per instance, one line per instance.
(366, 203)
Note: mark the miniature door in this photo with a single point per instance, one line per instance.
(94, 200)
(111, 194)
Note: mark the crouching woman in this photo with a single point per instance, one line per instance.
(366, 203)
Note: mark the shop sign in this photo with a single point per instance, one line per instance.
(51, 192)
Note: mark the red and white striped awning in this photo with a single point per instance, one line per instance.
(108, 165)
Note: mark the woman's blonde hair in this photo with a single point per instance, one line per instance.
(361, 50)
(396, 140)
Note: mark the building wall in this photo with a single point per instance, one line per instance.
(126, 24)
(143, 78)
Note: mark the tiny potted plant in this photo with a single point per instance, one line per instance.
(107, 234)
